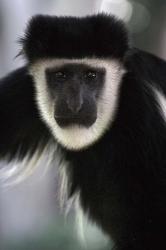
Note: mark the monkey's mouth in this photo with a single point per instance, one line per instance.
(85, 121)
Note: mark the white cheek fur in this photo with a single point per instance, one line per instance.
(77, 137)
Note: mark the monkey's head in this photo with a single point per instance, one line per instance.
(77, 67)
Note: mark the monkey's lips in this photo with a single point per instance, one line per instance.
(65, 121)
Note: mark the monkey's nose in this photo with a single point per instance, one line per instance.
(74, 105)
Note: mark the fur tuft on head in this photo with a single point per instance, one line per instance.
(100, 36)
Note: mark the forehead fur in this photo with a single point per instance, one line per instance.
(42, 64)
(75, 37)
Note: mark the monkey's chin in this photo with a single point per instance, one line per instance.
(76, 137)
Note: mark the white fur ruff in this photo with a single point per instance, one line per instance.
(78, 137)
(19, 170)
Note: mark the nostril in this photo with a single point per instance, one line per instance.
(77, 108)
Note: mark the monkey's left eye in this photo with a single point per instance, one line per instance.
(91, 75)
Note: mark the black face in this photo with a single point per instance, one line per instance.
(75, 89)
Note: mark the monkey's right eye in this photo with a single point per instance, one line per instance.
(60, 75)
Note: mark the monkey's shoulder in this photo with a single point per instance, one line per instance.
(20, 123)
(146, 67)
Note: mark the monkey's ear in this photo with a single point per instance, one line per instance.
(100, 36)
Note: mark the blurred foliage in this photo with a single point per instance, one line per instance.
(147, 38)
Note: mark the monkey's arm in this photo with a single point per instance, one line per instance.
(21, 129)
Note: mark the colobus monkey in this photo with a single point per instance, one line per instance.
(102, 104)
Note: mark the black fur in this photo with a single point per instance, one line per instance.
(98, 36)
(21, 130)
(122, 178)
